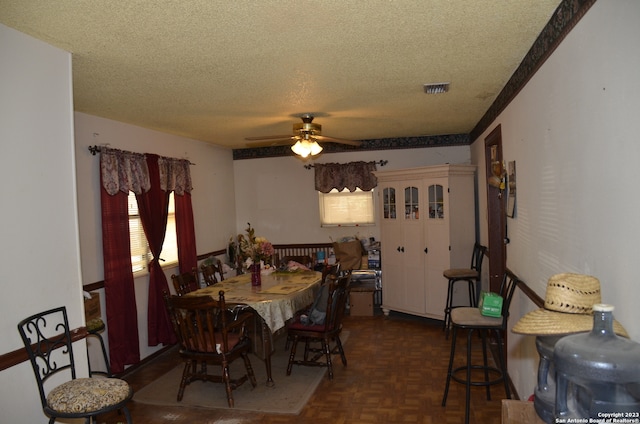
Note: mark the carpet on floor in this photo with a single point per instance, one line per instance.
(288, 395)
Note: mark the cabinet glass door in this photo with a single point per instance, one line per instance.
(436, 202)
(389, 202)
(411, 199)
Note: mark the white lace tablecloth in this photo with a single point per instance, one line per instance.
(276, 300)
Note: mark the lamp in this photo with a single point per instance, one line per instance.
(306, 147)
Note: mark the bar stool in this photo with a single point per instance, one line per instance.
(94, 328)
(471, 275)
(470, 319)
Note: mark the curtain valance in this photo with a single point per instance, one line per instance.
(123, 171)
(128, 171)
(345, 175)
(175, 175)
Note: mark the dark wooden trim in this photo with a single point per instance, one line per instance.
(302, 245)
(18, 356)
(146, 360)
(565, 17)
(214, 253)
(530, 294)
(93, 286)
(100, 284)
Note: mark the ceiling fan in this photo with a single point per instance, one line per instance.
(306, 137)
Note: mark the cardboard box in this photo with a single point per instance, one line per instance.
(361, 303)
(92, 307)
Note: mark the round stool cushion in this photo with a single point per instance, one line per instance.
(460, 273)
(88, 394)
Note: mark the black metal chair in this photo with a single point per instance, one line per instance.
(470, 319)
(471, 275)
(325, 333)
(48, 342)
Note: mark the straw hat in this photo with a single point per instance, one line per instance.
(568, 304)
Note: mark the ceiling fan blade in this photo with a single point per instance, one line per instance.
(338, 140)
(270, 137)
(270, 143)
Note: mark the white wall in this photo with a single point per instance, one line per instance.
(277, 195)
(39, 254)
(212, 196)
(573, 132)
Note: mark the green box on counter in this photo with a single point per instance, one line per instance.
(490, 304)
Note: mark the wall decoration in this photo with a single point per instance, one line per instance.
(511, 198)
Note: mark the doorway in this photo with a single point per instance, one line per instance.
(496, 217)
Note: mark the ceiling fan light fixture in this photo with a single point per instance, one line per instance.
(305, 148)
(436, 88)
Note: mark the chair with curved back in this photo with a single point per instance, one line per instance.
(186, 282)
(470, 319)
(325, 333)
(48, 341)
(471, 275)
(212, 273)
(209, 333)
(328, 272)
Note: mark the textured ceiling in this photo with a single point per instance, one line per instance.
(220, 70)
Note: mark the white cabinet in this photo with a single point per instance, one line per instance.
(427, 225)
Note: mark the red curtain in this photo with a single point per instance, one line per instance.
(185, 233)
(122, 317)
(153, 208)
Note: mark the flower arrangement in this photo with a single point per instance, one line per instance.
(252, 249)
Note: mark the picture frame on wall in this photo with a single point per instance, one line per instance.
(511, 185)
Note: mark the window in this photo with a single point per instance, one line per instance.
(346, 208)
(140, 253)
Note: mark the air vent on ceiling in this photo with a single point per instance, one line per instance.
(436, 88)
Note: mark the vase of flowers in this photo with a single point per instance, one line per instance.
(254, 252)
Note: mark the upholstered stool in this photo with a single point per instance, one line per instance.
(471, 275)
(94, 328)
(470, 319)
(88, 394)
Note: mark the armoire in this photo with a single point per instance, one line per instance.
(427, 224)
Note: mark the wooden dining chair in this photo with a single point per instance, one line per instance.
(325, 333)
(212, 273)
(329, 273)
(186, 282)
(210, 334)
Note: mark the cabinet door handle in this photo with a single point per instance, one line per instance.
(400, 249)
(426, 250)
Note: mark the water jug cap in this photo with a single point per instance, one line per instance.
(603, 307)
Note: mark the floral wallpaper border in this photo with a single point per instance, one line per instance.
(367, 145)
(566, 16)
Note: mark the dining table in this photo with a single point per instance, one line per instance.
(276, 300)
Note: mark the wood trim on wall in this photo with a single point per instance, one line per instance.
(20, 355)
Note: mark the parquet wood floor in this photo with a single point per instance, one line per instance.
(396, 374)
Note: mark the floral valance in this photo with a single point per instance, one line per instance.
(175, 175)
(345, 175)
(123, 171)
